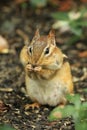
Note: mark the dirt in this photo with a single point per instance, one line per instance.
(13, 18)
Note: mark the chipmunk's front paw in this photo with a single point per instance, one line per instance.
(29, 67)
(38, 68)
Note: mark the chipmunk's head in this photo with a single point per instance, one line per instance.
(42, 51)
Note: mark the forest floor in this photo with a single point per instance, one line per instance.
(13, 20)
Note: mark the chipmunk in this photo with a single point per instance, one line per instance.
(48, 77)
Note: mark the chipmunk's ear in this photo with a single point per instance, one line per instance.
(65, 56)
(51, 37)
(36, 35)
(27, 42)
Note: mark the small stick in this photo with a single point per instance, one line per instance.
(6, 89)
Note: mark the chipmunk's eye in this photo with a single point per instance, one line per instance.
(30, 50)
(46, 51)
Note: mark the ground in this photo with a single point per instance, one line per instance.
(13, 20)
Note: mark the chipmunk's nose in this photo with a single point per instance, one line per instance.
(33, 66)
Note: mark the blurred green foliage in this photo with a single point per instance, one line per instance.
(38, 3)
(77, 110)
(24, 5)
(72, 21)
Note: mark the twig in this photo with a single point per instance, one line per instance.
(6, 89)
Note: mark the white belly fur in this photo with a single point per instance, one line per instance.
(46, 92)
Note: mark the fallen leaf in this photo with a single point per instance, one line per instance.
(61, 112)
(84, 1)
(58, 115)
(65, 5)
(83, 54)
(20, 1)
(3, 107)
(3, 45)
(54, 2)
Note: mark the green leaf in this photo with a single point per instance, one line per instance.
(83, 11)
(84, 105)
(77, 31)
(60, 16)
(59, 112)
(24, 5)
(78, 23)
(38, 3)
(85, 89)
(73, 40)
(81, 126)
(6, 127)
(83, 111)
(75, 99)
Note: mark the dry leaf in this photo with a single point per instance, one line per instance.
(65, 5)
(83, 54)
(54, 2)
(57, 114)
(3, 45)
(20, 1)
(84, 1)
(3, 107)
